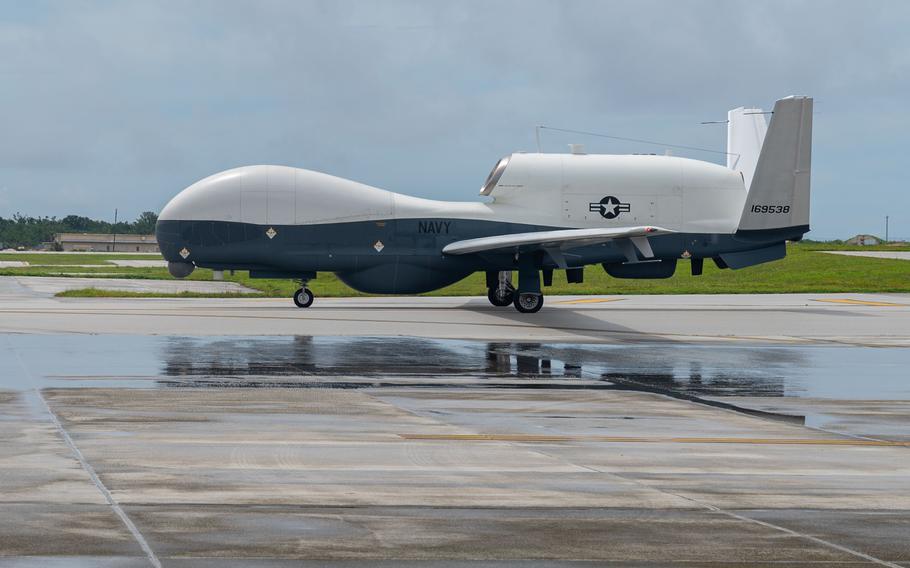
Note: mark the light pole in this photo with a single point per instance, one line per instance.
(114, 230)
(886, 228)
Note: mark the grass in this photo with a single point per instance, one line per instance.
(804, 270)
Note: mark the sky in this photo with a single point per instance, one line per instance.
(121, 104)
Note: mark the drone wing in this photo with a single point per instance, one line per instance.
(555, 242)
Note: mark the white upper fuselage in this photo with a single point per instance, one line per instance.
(556, 190)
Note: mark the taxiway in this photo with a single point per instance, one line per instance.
(856, 319)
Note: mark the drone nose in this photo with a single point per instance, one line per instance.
(170, 241)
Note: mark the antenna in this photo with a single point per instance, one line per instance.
(114, 230)
(598, 135)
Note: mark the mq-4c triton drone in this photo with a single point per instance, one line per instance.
(633, 214)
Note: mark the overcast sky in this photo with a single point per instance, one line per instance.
(123, 104)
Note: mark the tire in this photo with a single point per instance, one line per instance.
(528, 303)
(495, 299)
(303, 297)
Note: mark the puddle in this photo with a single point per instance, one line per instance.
(836, 372)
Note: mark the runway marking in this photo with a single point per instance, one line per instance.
(589, 301)
(105, 492)
(654, 439)
(857, 302)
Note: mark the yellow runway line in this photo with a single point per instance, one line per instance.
(658, 439)
(857, 302)
(589, 301)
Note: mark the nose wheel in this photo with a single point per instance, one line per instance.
(303, 298)
(500, 297)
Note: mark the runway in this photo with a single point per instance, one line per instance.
(626, 431)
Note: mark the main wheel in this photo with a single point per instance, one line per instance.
(303, 298)
(499, 297)
(528, 303)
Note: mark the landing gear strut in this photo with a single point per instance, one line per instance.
(500, 291)
(529, 298)
(303, 297)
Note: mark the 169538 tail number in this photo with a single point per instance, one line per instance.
(773, 209)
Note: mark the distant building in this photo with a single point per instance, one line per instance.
(864, 240)
(99, 242)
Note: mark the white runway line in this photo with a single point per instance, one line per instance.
(118, 510)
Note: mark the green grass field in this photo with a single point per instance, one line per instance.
(804, 270)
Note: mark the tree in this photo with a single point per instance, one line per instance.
(145, 223)
(29, 232)
(77, 224)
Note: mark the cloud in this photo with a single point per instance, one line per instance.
(123, 104)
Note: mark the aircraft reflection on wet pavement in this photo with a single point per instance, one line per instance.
(719, 375)
(709, 374)
(752, 371)
(832, 372)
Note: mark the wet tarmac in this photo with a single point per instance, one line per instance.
(703, 373)
(748, 370)
(138, 450)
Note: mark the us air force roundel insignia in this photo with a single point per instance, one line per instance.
(609, 207)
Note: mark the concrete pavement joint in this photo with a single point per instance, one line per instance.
(742, 518)
(517, 440)
(814, 539)
(118, 510)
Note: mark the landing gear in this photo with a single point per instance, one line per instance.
(303, 297)
(529, 299)
(500, 291)
(528, 303)
(500, 298)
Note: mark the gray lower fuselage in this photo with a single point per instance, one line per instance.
(404, 256)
